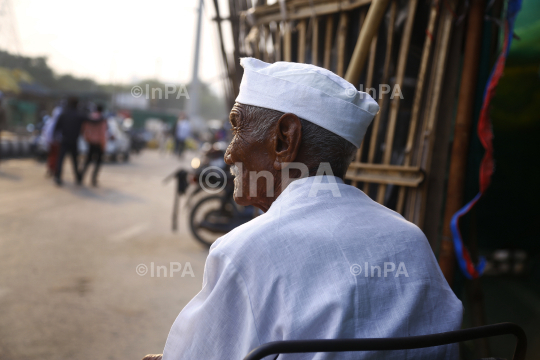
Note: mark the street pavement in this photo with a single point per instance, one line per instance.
(72, 258)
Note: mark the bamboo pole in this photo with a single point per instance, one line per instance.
(277, 43)
(287, 42)
(369, 29)
(428, 42)
(385, 78)
(369, 82)
(428, 134)
(264, 36)
(328, 41)
(369, 73)
(462, 132)
(301, 27)
(341, 42)
(394, 105)
(414, 198)
(358, 156)
(314, 40)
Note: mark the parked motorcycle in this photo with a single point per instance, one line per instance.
(216, 213)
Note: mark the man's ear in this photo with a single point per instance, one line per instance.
(287, 139)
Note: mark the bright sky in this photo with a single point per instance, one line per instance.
(121, 40)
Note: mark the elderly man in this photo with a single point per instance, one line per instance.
(324, 261)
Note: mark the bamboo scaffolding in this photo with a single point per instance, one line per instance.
(274, 42)
(394, 105)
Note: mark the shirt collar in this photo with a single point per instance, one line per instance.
(303, 185)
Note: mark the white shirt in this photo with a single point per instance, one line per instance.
(183, 129)
(293, 273)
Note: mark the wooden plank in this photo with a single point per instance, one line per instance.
(301, 28)
(394, 105)
(328, 41)
(314, 40)
(385, 167)
(397, 175)
(342, 42)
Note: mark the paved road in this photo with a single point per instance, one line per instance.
(68, 258)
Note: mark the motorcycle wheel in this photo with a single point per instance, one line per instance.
(210, 210)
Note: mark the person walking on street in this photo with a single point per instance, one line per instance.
(69, 125)
(52, 140)
(182, 131)
(95, 133)
(3, 122)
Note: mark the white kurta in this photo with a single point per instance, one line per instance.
(299, 272)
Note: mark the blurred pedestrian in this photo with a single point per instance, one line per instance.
(94, 131)
(3, 122)
(182, 131)
(69, 125)
(52, 140)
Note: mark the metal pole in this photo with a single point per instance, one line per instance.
(194, 99)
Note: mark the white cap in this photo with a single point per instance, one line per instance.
(311, 93)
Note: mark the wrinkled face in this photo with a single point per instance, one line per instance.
(248, 158)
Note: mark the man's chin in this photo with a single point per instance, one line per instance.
(241, 200)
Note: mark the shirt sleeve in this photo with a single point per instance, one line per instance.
(218, 322)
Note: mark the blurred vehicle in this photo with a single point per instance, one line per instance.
(138, 139)
(118, 142)
(216, 213)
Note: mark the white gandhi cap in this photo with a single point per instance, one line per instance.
(311, 93)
